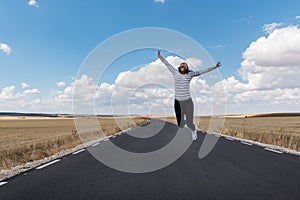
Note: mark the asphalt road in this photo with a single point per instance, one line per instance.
(232, 170)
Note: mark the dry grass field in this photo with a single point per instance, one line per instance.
(28, 139)
(276, 129)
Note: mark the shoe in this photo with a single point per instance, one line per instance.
(194, 135)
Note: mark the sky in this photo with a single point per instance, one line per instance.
(43, 44)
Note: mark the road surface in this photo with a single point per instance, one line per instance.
(232, 170)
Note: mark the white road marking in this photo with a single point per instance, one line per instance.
(47, 164)
(215, 134)
(106, 139)
(246, 143)
(228, 138)
(2, 183)
(114, 136)
(281, 149)
(76, 152)
(268, 149)
(95, 144)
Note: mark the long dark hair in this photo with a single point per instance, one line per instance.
(187, 68)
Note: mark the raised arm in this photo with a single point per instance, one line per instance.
(169, 66)
(198, 73)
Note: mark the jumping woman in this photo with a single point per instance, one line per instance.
(183, 102)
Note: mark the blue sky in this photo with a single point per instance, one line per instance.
(49, 40)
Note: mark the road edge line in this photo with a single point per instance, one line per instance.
(275, 151)
(3, 183)
(48, 164)
(270, 146)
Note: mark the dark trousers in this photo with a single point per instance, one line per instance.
(186, 108)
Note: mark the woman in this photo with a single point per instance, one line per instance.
(183, 103)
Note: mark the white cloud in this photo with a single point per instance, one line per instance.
(273, 61)
(28, 101)
(10, 100)
(7, 92)
(104, 91)
(151, 84)
(24, 85)
(152, 93)
(37, 101)
(61, 84)
(199, 85)
(5, 48)
(86, 89)
(279, 97)
(33, 3)
(271, 71)
(297, 17)
(159, 1)
(269, 28)
(32, 91)
(195, 62)
(154, 72)
(148, 85)
(232, 85)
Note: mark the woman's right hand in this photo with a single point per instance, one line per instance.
(218, 64)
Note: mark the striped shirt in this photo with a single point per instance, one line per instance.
(182, 81)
